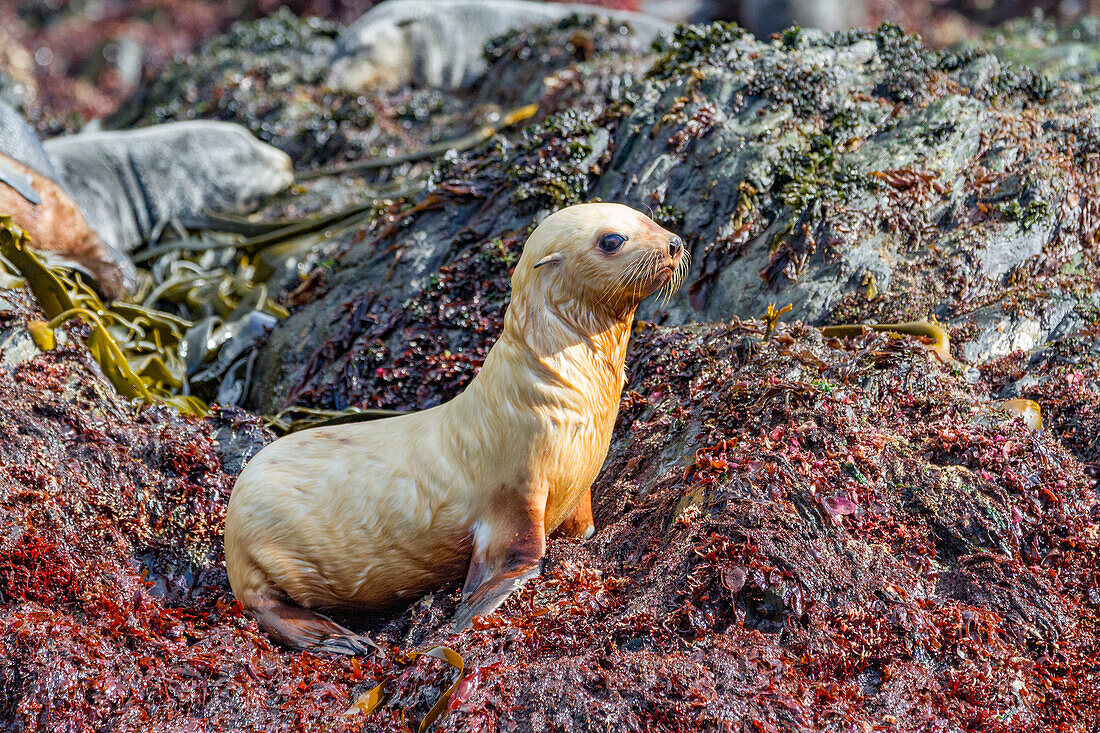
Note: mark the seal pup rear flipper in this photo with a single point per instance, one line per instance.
(306, 630)
(504, 558)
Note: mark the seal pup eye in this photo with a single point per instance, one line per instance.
(611, 242)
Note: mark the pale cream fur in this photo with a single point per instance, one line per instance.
(367, 514)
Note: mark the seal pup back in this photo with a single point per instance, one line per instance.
(365, 516)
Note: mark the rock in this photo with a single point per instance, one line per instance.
(316, 125)
(579, 62)
(1063, 51)
(858, 176)
(999, 334)
(16, 344)
(284, 101)
(849, 524)
(435, 298)
(1064, 378)
(770, 509)
(238, 436)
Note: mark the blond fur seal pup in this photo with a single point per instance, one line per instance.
(366, 515)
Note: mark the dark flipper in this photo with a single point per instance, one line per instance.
(301, 628)
(580, 522)
(503, 560)
(492, 593)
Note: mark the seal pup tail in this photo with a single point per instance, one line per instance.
(306, 630)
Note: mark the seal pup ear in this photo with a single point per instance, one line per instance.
(550, 259)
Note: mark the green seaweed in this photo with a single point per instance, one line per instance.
(546, 169)
(145, 367)
(690, 45)
(214, 287)
(1026, 215)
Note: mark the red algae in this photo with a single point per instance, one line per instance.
(794, 533)
(114, 607)
(798, 534)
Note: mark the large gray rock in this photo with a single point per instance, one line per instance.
(857, 176)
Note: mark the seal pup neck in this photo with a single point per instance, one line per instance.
(569, 336)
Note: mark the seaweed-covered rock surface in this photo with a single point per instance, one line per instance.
(269, 76)
(859, 177)
(795, 533)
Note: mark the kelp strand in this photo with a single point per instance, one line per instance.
(460, 144)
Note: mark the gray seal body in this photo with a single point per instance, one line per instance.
(19, 141)
(439, 43)
(43, 207)
(126, 183)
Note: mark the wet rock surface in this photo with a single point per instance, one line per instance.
(859, 177)
(794, 532)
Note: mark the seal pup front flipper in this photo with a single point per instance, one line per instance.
(504, 558)
(580, 524)
(306, 630)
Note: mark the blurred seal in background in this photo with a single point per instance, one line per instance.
(127, 182)
(439, 43)
(32, 192)
(87, 199)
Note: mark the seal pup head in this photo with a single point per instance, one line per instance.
(599, 259)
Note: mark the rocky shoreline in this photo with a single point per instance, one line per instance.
(794, 531)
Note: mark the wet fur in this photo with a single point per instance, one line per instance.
(367, 515)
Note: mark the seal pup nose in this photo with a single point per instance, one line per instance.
(675, 244)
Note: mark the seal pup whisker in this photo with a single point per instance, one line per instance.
(627, 276)
(366, 516)
(670, 288)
